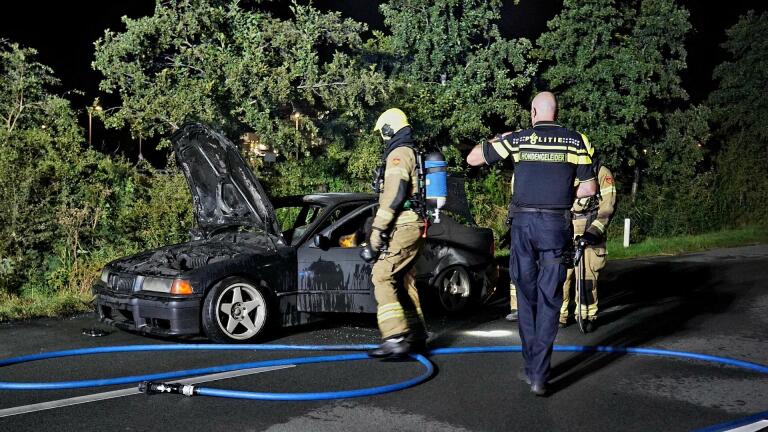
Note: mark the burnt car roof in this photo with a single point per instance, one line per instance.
(325, 199)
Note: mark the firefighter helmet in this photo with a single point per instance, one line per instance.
(391, 121)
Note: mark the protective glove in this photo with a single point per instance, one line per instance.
(590, 238)
(368, 255)
(376, 241)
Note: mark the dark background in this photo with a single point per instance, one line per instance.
(63, 33)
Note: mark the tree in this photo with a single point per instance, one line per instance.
(66, 209)
(297, 83)
(739, 105)
(615, 66)
(38, 133)
(740, 115)
(453, 73)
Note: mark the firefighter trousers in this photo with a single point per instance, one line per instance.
(394, 286)
(594, 261)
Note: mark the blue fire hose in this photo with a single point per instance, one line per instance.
(150, 386)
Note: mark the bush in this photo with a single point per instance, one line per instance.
(664, 211)
(489, 198)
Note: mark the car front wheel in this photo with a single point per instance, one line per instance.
(236, 310)
(454, 289)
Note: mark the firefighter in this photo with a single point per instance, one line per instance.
(548, 160)
(590, 221)
(512, 315)
(396, 239)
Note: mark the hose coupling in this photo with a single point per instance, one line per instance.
(150, 388)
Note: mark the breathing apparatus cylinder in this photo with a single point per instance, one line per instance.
(436, 181)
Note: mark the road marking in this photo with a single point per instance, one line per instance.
(754, 427)
(25, 409)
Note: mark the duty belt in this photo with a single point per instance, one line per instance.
(516, 209)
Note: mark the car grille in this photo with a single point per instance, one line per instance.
(121, 283)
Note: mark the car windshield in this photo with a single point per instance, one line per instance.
(295, 219)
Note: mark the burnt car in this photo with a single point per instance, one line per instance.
(242, 272)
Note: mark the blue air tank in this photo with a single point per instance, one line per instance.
(436, 181)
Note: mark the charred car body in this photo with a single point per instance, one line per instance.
(241, 272)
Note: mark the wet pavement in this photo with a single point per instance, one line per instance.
(713, 303)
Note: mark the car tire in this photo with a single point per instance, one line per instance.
(454, 290)
(236, 310)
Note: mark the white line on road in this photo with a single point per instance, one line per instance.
(754, 427)
(25, 409)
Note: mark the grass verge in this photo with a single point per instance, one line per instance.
(37, 305)
(653, 246)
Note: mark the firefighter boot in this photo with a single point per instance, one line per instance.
(394, 347)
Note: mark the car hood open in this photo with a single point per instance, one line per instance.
(175, 260)
(224, 190)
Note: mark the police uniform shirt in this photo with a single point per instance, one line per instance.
(548, 159)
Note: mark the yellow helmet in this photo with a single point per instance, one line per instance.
(391, 121)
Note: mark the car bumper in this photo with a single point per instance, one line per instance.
(162, 316)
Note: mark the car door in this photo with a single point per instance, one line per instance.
(332, 276)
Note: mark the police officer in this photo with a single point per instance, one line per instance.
(398, 312)
(548, 160)
(591, 216)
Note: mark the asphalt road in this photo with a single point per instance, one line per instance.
(712, 303)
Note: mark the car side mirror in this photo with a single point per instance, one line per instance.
(321, 242)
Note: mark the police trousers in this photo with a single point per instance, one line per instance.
(536, 268)
(394, 285)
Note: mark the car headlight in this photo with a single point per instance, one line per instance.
(157, 284)
(105, 276)
(171, 286)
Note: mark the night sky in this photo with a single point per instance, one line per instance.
(63, 32)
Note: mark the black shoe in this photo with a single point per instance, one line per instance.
(562, 325)
(590, 326)
(524, 377)
(512, 316)
(539, 389)
(418, 345)
(396, 347)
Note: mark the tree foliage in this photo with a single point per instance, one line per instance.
(740, 115)
(310, 85)
(298, 83)
(452, 71)
(615, 65)
(67, 209)
(739, 105)
(39, 149)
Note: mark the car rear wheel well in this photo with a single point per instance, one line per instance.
(454, 289)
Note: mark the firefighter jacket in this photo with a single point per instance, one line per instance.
(598, 209)
(400, 183)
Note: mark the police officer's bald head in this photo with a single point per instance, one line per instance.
(543, 107)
